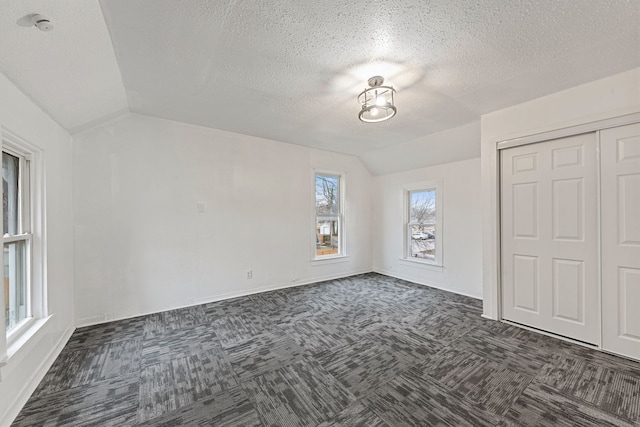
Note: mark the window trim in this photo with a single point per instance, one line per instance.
(33, 221)
(24, 235)
(439, 224)
(342, 245)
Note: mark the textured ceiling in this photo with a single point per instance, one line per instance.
(71, 72)
(290, 70)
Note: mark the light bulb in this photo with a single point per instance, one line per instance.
(374, 111)
(380, 102)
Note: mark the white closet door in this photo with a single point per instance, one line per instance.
(620, 177)
(549, 236)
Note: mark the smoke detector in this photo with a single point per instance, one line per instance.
(41, 22)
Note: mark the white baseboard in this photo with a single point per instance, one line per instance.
(23, 395)
(422, 282)
(221, 297)
(277, 287)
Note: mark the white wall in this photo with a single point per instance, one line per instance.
(141, 246)
(26, 366)
(610, 97)
(462, 238)
(448, 146)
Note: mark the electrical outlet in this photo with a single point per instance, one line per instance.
(248, 274)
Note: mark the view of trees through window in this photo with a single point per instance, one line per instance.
(327, 215)
(422, 224)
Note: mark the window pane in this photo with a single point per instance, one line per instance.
(327, 236)
(422, 206)
(15, 283)
(327, 196)
(423, 242)
(10, 167)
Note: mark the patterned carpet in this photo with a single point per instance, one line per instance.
(367, 350)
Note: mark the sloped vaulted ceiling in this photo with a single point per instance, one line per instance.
(70, 72)
(290, 70)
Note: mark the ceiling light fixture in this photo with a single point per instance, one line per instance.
(377, 101)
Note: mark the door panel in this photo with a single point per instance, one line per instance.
(629, 288)
(568, 156)
(568, 290)
(620, 178)
(525, 202)
(525, 274)
(549, 236)
(629, 209)
(568, 203)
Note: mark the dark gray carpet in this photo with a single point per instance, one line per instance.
(368, 350)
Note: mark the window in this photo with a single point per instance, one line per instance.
(423, 224)
(17, 237)
(328, 215)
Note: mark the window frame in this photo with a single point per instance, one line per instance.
(436, 186)
(32, 224)
(342, 253)
(23, 230)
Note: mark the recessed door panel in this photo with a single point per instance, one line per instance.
(629, 209)
(549, 236)
(620, 210)
(524, 163)
(525, 211)
(525, 279)
(629, 148)
(568, 290)
(629, 296)
(568, 156)
(568, 208)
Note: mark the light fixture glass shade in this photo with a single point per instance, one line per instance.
(378, 103)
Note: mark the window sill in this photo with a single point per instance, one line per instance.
(30, 330)
(23, 345)
(425, 264)
(329, 260)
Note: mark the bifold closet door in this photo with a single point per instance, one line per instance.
(620, 213)
(549, 236)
